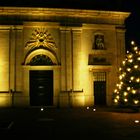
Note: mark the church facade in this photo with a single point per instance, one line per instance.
(59, 57)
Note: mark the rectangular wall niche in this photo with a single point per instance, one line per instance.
(98, 60)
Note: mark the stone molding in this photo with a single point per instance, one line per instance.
(59, 12)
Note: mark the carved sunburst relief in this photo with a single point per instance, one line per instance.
(41, 38)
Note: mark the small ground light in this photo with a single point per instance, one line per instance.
(42, 109)
(87, 107)
(136, 121)
(94, 109)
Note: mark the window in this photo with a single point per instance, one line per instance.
(40, 60)
(99, 76)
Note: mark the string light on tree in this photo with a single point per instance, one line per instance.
(127, 91)
(132, 42)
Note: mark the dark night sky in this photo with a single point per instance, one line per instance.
(133, 6)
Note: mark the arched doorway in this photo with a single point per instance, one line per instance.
(41, 82)
(41, 90)
(40, 61)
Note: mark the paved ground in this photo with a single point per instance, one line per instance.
(69, 123)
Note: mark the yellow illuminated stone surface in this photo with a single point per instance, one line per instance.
(68, 46)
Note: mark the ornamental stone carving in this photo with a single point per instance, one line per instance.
(41, 38)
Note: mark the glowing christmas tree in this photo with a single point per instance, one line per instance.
(127, 92)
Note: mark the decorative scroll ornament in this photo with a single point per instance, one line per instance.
(41, 38)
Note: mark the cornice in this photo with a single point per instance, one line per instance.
(63, 12)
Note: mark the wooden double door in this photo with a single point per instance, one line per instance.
(41, 87)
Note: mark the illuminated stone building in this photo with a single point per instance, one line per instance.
(59, 57)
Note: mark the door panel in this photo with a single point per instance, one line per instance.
(41, 88)
(99, 92)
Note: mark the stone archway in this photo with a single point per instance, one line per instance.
(42, 52)
(40, 69)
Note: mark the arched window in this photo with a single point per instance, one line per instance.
(40, 60)
(40, 57)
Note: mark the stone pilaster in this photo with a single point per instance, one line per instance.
(12, 58)
(76, 58)
(66, 60)
(4, 58)
(120, 37)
